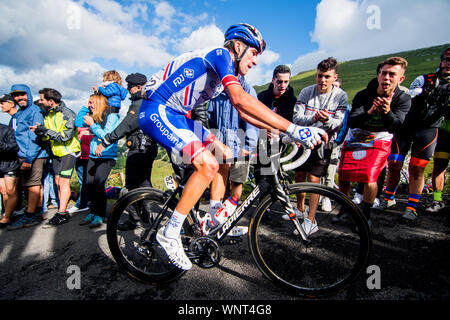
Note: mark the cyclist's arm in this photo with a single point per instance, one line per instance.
(253, 111)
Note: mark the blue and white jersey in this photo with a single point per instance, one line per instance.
(191, 79)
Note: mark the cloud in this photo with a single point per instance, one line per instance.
(74, 79)
(66, 44)
(348, 29)
(268, 57)
(308, 61)
(33, 35)
(167, 18)
(203, 37)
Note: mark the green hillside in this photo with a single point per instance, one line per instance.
(355, 74)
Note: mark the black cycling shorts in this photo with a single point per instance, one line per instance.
(11, 174)
(63, 166)
(421, 143)
(442, 150)
(316, 165)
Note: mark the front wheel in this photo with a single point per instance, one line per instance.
(131, 234)
(331, 258)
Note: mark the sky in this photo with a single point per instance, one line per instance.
(68, 44)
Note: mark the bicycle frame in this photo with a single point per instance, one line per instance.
(270, 184)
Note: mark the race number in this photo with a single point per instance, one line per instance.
(170, 182)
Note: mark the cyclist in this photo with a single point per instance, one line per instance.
(190, 80)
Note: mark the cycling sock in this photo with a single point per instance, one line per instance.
(173, 228)
(389, 194)
(437, 195)
(413, 201)
(213, 206)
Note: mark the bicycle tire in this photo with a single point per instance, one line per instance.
(145, 261)
(310, 269)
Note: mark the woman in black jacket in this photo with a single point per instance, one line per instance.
(9, 165)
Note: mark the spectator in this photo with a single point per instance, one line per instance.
(101, 121)
(59, 129)
(111, 88)
(31, 155)
(240, 136)
(85, 136)
(142, 149)
(280, 98)
(376, 112)
(280, 95)
(9, 162)
(49, 187)
(442, 151)
(321, 105)
(440, 164)
(419, 134)
(330, 177)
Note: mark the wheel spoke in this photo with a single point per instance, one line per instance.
(330, 259)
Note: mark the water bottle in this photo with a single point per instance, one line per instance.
(226, 210)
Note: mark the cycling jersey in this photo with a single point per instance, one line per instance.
(189, 80)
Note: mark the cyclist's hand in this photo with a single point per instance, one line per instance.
(309, 137)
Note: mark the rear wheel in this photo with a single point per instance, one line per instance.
(136, 250)
(331, 259)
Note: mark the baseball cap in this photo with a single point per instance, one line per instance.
(6, 97)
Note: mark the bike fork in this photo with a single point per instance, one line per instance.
(282, 195)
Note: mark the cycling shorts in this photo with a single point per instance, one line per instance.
(180, 136)
(442, 150)
(316, 165)
(10, 174)
(422, 144)
(63, 166)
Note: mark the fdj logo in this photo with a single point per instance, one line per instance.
(304, 133)
(188, 73)
(178, 80)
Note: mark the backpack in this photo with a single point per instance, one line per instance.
(430, 104)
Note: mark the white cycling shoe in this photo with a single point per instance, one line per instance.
(174, 249)
(299, 214)
(308, 227)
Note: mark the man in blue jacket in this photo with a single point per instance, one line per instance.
(31, 154)
(240, 136)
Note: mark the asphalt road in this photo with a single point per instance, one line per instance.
(38, 264)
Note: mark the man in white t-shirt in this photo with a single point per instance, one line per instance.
(321, 105)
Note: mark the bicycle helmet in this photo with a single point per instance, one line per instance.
(247, 34)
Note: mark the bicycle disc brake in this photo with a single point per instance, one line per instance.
(204, 252)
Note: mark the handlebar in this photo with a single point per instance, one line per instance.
(286, 167)
(298, 162)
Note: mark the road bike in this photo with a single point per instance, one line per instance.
(307, 265)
